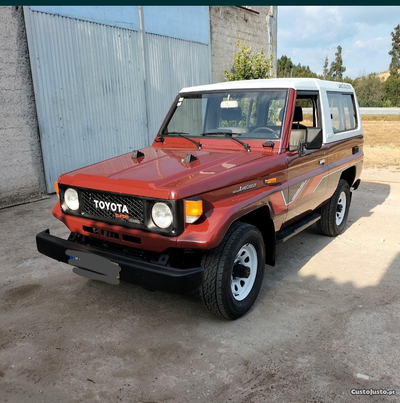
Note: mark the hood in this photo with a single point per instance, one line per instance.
(162, 173)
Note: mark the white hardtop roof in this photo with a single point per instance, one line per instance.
(295, 83)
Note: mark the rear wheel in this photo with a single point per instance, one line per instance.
(233, 272)
(334, 213)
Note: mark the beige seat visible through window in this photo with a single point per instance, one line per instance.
(298, 117)
(296, 135)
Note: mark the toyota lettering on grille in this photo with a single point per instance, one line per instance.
(118, 209)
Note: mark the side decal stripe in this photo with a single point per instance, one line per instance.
(295, 195)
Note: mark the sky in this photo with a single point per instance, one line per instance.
(307, 34)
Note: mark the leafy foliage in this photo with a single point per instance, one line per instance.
(248, 66)
(286, 68)
(325, 70)
(394, 66)
(392, 88)
(370, 91)
(337, 69)
(392, 84)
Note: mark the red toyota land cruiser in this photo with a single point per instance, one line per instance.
(235, 168)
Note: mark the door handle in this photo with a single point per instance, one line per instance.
(321, 161)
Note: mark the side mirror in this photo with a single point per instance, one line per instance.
(313, 138)
(305, 139)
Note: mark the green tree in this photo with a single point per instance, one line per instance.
(303, 71)
(248, 66)
(286, 68)
(392, 88)
(337, 69)
(325, 69)
(370, 91)
(394, 66)
(392, 84)
(348, 80)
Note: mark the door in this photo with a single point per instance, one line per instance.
(306, 170)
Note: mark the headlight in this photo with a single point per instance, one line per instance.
(71, 199)
(161, 215)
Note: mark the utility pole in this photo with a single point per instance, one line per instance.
(272, 29)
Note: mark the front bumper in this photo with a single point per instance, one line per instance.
(147, 274)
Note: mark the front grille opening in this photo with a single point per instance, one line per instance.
(133, 239)
(109, 234)
(110, 206)
(92, 230)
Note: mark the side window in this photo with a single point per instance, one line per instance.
(306, 115)
(307, 111)
(334, 107)
(342, 110)
(308, 105)
(350, 116)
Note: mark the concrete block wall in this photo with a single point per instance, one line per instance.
(230, 23)
(21, 167)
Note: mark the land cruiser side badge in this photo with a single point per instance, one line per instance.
(245, 187)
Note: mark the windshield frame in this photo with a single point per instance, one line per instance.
(203, 94)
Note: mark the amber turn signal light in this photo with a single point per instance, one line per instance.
(56, 188)
(193, 210)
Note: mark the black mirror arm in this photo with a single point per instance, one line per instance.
(302, 147)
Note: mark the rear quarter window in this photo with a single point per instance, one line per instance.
(343, 112)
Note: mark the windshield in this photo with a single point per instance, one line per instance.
(250, 114)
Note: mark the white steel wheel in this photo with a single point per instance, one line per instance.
(334, 213)
(244, 272)
(341, 208)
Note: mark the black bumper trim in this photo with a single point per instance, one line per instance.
(146, 274)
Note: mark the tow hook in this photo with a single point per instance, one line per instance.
(240, 271)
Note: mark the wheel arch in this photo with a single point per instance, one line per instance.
(261, 219)
(349, 175)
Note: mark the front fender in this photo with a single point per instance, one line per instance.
(209, 232)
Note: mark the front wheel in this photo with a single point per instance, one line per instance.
(334, 213)
(233, 272)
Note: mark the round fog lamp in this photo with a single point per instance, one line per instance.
(161, 215)
(71, 199)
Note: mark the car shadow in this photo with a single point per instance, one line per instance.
(293, 254)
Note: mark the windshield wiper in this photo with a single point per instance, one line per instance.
(220, 132)
(182, 134)
(245, 145)
(229, 135)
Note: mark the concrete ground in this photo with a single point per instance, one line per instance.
(326, 321)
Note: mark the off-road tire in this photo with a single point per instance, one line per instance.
(333, 221)
(216, 291)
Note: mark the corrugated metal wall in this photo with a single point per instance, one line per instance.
(172, 64)
(92, 100)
